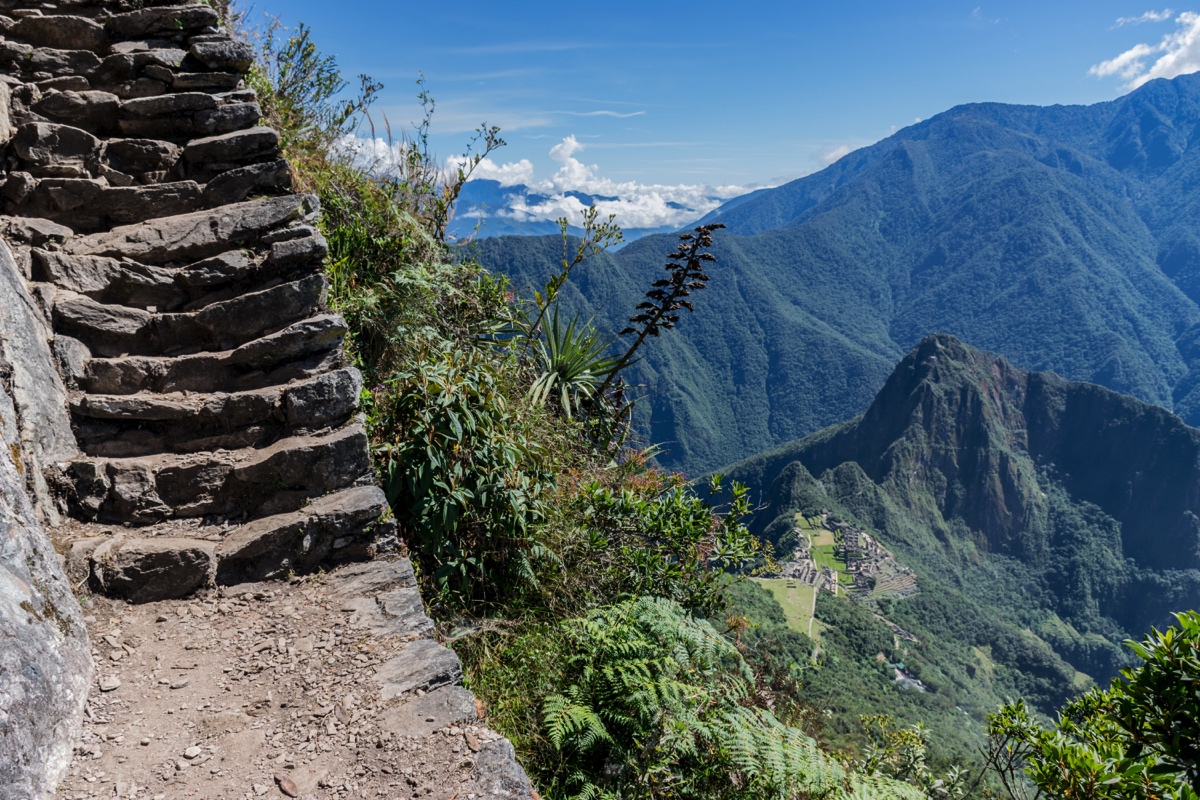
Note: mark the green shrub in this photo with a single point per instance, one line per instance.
(464, 469)
(652, 535)
(1139, 738)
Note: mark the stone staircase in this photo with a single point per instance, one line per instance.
(211, 402)
(218, 443)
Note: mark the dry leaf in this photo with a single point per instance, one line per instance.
(287, 786)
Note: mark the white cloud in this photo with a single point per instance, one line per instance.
(833, 154)
(636, 205)
(1149, 16)
(1177, 54)
(513, 173)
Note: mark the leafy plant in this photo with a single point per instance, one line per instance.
(900, 753)
(1139, 738)
(655, 703)
(598, 236)
(655, 536)
(571, 364)
(463, 470)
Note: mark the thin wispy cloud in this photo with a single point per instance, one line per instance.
(979, 19)
(606, 113)
(1178, 53)
(508, 48)
(627, 145)
(1149, 16)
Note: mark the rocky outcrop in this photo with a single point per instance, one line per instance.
(45, 661)
(205, 431)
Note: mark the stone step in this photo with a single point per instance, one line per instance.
(201, 234)
(182, 126)
(101, 8)
(211, 155)
(421, 665)
(161, 564)
(91, 204)
(119, 426)
(116, 330)
(58, 150)
(19, 59)
(301, 350)
(341, 526)
(60, 31)
(272, 480)
(190, 288)
(157, 21)
(89, 195)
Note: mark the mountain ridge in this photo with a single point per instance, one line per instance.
(973, 449)
(1060, 236)
(1045, 522)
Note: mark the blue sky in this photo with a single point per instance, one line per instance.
(727, 94)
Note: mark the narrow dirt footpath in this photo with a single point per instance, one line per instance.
(321, 687)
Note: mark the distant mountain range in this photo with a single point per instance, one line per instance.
(1065, 238)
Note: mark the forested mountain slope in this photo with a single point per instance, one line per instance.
(1061, 505)
(1065, 238)
(1045, 520)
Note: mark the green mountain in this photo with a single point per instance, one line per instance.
(1045, 521)
(1066, 238)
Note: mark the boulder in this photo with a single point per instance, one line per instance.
(146, 570)
(499, 775)
(232, 149)
(227, 56)
(323, 401)
(227, 118)
(236, 185)
(60, 31)
(48, 149)
(33, 231)
(307, 250)
(146, 159)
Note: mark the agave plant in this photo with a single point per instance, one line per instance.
(572, 364)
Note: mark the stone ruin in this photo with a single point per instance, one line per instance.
(173, 390)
